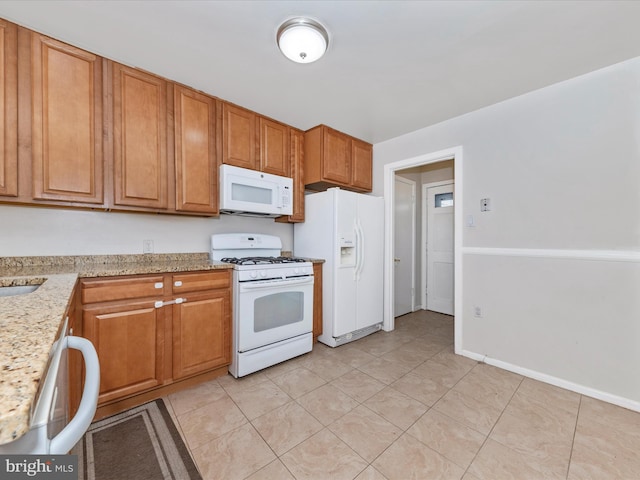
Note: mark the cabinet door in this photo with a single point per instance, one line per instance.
(317, 301)
(202, 333)
(361, 165)
(67, 122)
(139, 138)
(297, 173)
(238, 137)
(336, 159)
(195, 153)
(8, 109)
(275, 151)
(129, 340)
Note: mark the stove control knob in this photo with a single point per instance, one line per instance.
(253, 274)
(263, 273)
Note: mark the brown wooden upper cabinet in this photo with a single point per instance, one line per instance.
(195, 151)
(8, 109)
(361, 165)
(255, 142)
(66, 122)
(297, 174)
(79, 130)
(275, 149)
(239, 136)
(334, 159)
(139, 138)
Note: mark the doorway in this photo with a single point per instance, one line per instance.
(455, 154)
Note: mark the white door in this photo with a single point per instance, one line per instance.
(440, 276)
(404, 245)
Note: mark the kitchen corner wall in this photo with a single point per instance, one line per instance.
(33, 231)
(555, 265)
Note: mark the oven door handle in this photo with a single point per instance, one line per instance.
(284, 283)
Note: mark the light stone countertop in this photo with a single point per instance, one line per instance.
(29, 323)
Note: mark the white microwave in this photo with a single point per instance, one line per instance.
(249, 192)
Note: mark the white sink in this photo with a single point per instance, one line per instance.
(17, 290)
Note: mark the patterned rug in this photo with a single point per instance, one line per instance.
(142, 444)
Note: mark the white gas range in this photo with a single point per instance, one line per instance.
(272, 301)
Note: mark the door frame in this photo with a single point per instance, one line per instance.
(423, 233)
(454, 153)
(413, 237)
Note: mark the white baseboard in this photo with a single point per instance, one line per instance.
(558, 382)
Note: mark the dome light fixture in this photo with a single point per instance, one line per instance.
(302, 40)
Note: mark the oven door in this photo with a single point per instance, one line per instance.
(273, 310)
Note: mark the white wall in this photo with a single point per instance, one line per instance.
(555, 266)
(31, 231)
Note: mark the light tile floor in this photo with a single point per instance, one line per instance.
(401, 405)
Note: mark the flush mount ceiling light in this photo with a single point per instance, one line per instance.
(302, 40)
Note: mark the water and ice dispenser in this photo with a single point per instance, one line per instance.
(347, 251)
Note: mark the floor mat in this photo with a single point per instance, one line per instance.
(142, 444)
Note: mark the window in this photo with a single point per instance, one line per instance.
(444, 199)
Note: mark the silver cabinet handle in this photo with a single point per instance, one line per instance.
(177, 301)
(397, 260)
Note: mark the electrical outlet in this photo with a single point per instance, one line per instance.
(477, 312)
(147, 246)
(485, 204)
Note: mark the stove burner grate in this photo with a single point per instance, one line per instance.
(261, 260)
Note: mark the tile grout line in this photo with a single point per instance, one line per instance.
(573, 440)
(494, 425)
(379, 355)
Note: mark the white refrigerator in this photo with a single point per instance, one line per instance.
(345, 229)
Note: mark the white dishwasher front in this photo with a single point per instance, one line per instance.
(50, 431)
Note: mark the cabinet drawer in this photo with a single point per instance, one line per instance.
(94, 291)
(195, 282)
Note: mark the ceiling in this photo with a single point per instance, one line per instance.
(392, 67)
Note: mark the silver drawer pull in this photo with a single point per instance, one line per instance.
(158, 304)
(177, 283)
(159, 285)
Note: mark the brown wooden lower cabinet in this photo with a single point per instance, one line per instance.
(317, 301)
(148, 343)
(201, 333)
(129, 339)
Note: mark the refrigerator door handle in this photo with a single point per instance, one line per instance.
(362, 240)
(359, 250)
(357, 266)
